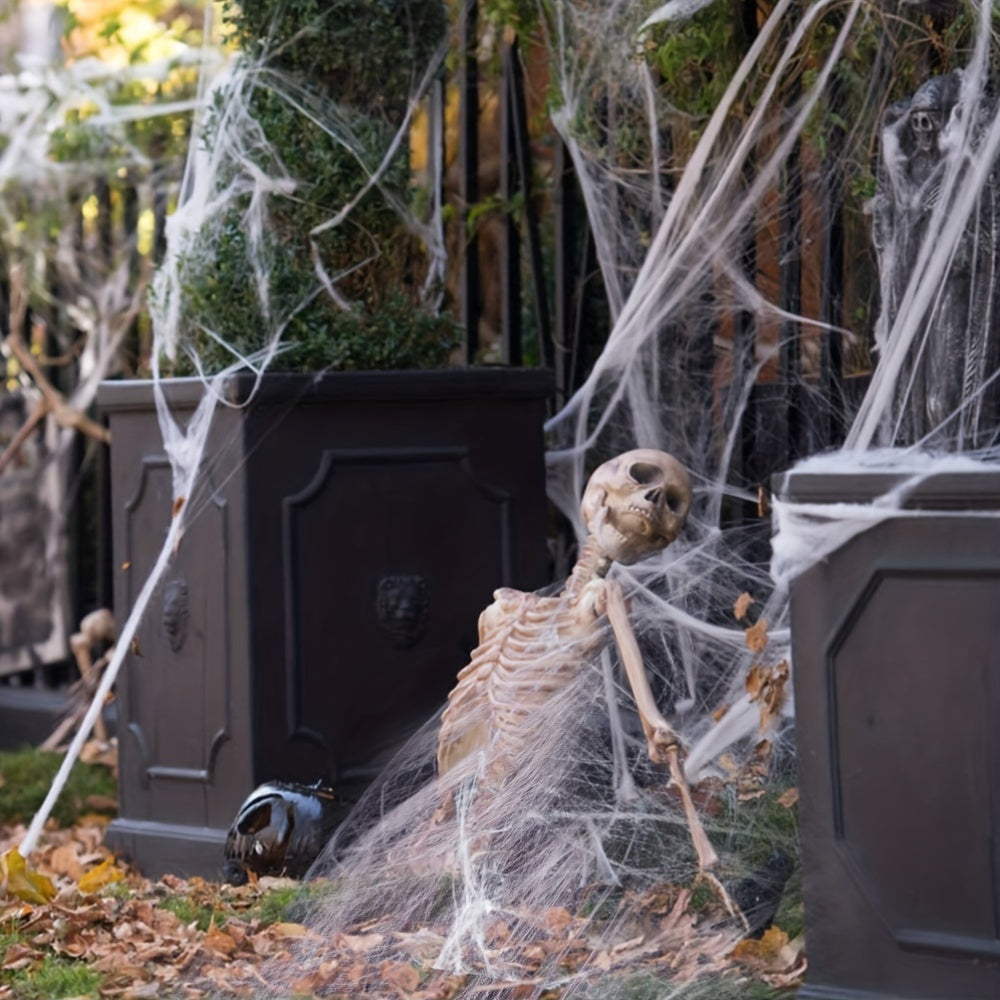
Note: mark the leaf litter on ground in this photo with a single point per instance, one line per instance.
(190, 938)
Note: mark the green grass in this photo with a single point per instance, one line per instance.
(189, 912)
(791, 913)
(753, 829)
(277, 906)
(643, 986)
(55, 979)
(27, 776)
(291, 904)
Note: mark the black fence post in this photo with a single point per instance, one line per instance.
(510, 250)
(468, 155)
(831, 370)
(522, 149)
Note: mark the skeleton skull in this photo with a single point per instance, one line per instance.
(636, 504)
(924, 124)
(928, 110)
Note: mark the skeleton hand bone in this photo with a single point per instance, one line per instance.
(660, 740)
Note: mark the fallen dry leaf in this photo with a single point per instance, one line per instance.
(20, 956)
(142, 991)
(756, 636)
(100, 876)
(359, 942)
(557, 919)
(756, 679)
(773, 955)
(767, 685)
(20, 880)
(219, 941)
(65, 860)
(742, 606)
(289, 930)
(402, 975)
(789, 797)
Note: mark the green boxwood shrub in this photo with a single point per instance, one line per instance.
(350, 65)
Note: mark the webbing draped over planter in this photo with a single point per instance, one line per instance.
(350, 530)
(896, 662)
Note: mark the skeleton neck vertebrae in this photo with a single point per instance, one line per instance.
(591, 565)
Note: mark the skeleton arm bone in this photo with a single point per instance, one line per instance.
(664, 746)
(659, 733)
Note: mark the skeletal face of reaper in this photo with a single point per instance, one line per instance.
(926, 114)
(636, 504)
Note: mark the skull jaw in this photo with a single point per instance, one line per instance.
(628, 538)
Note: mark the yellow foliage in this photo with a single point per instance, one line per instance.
(124, 32)
(99, 876)
(23, 882)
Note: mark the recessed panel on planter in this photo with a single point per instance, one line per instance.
(917, 751)
(390, 530)
(178, 669)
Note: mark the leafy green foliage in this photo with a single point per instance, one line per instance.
(362, 53)
(697, 59)
(352, 65)
(27, 775)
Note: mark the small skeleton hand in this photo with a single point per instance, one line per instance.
(661, 741)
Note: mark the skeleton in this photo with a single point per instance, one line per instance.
(532, 646)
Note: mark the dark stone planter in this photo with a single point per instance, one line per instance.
(349, 531)
(896, 653)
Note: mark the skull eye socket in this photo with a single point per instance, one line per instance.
(644, 474)
(674, 502)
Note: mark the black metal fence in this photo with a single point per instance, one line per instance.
(113, 231)
(802, 408)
